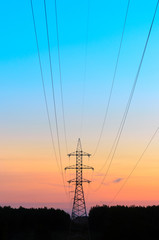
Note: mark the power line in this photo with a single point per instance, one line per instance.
(53, 95)
(130, 98)
(113, 145)
(61, 88)
(43, 84)
(140, 158)
(85, 69)
(113, 81)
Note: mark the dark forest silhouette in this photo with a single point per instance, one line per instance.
(118, 222)
(30, 224)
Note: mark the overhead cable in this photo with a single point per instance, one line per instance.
(61, 85)
(43, 85)
(113, 80)
(138, 161)
(53, 95)
(130, 99)
(85, 70)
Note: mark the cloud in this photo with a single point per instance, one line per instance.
(117, 180)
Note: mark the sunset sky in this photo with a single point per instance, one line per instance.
(29, 173)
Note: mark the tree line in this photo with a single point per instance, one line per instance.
(122, 222)
(33, 224)
(103, 222)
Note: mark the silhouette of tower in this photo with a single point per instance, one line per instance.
(79, 206)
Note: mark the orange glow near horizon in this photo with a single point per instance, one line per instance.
(33, 181)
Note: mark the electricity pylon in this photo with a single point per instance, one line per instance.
(79, 206)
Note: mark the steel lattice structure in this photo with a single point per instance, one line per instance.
(79, 206)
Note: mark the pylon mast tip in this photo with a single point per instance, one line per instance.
(79, 145)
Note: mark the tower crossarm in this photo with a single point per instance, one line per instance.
(86, 180)
(75, 167)
(85, 154)
(72, 154)
(71, 167)
(87, 167)
(74, 180)
(79, 153)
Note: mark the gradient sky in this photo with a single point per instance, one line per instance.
(29, 173)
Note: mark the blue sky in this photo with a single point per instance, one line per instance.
(105, 24)
(19, 62)
(22, 108)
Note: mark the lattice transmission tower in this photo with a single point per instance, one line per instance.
(79, 206)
